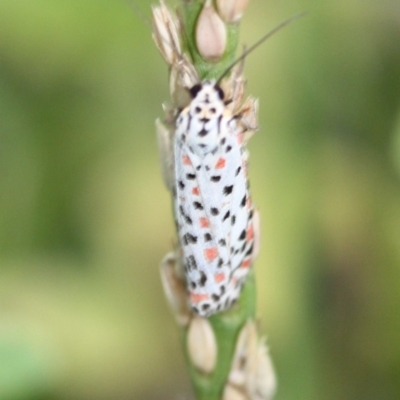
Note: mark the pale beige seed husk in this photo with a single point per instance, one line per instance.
(249, 118)
(175, 289)
(233, 393)
(164, 141)
(165, 33)
(252, 371)
(202, 345)
(261, 382)
(231, 10)
(234, 88)
(245, 353)
(210, 34)
(183, 75)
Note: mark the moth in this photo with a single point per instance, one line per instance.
(213, 209)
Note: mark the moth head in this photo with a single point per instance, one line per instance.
(207, 100)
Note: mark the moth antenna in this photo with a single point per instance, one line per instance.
(139, 13)
(259, 42)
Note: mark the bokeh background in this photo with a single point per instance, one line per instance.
(85, 218)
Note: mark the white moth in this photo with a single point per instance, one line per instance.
(213, 209)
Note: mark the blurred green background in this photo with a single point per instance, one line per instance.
(85, 218)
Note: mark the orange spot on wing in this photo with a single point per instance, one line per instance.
(219, 277)
(186, 160)
(197, 297)
(246, 264)
(196, 191)
(220, 163)
(204, 222)
(250, 233)
(211, 254)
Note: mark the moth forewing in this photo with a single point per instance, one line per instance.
(212, 204)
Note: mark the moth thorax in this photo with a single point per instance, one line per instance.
(206, 111)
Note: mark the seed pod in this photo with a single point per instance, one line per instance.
(231, 10)
(245, 354)
(210, 33)
(202, 345)
(233, 393)
(261, 379)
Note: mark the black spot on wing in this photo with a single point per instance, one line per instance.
(226, 216)
(219, 125)
(214, 211)
(243, 202)
(188, 220)
(215, 297)
(220, 92)
(194, 90)
(191, 176)
(216, 178)
(189, 121)
(197, 205)
(192, 262)
(190, 238)
(203, 279)
(203, 132)
(207, 237)
(250, 250)
(227, 190)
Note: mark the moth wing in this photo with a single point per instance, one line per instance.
(224, 187)
(199, 228)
